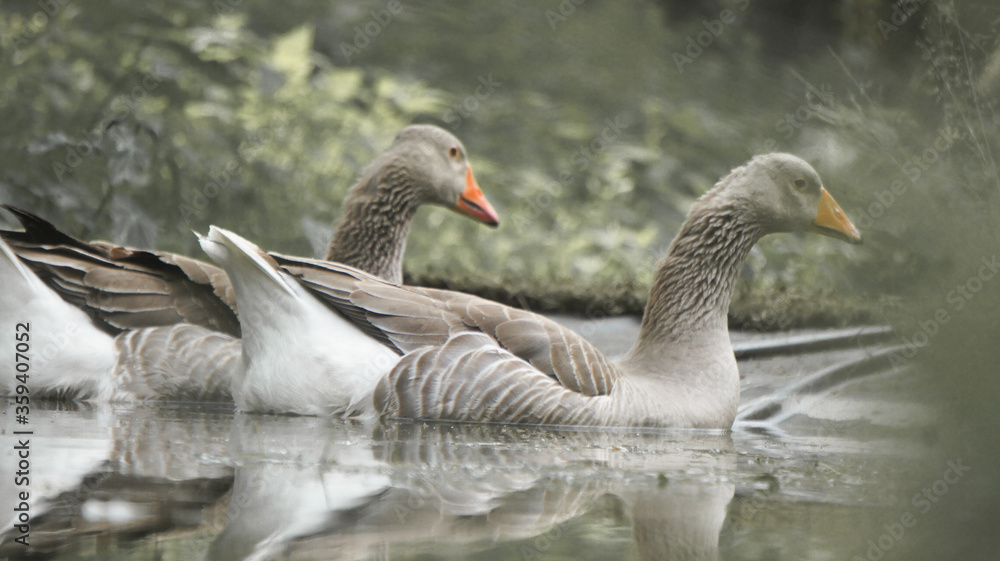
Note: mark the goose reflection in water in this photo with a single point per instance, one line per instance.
(365, 492)
(270, 487)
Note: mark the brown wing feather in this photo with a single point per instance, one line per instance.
(402, 317)
(548, 346)
(470, 379)
(413, 317)
(123, 288)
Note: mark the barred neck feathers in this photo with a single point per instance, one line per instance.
(376, 221)
(694, 284)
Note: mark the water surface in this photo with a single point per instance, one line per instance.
(189, 481)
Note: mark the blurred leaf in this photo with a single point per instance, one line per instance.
(291, 53)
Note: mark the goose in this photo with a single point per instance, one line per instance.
(113, 323)
(126, 288)
(416, 353)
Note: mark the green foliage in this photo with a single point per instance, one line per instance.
(141, 122)
(177, 118)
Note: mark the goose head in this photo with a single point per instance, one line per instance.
(785, 194)
(436, 172)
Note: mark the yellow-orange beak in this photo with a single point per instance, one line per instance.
(831, 220)
(473, 203)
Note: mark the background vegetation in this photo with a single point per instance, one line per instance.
(140, 122)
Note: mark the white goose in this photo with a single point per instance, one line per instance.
(190, 355)
(470, 359)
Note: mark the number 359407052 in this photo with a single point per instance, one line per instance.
(22, 364)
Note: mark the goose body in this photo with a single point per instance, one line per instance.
(469, 359)
(473, 378)
(155, 325)
(465, 358)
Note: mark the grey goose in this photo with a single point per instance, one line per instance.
(117, 323)
(452, 356)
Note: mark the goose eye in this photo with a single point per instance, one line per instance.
(800, 184)
(453, 152)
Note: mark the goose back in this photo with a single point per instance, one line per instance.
(410, 318)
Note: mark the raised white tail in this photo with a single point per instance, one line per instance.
(299, 355)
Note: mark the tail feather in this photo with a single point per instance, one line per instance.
(232, 251)
(18, 281)
(39, 230)
(299, 355)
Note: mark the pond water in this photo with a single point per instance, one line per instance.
(812, 479)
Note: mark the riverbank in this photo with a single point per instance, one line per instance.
(755, 309)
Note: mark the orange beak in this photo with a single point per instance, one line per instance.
(473, 203)
(831, 220)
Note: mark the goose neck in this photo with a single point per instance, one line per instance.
(376, 222)
(690, 296)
